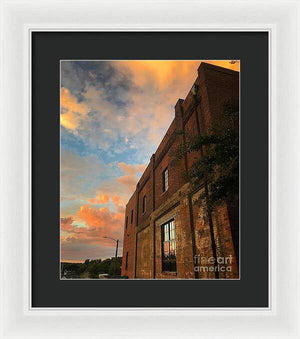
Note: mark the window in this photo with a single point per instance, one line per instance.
(144, 203)
(126, 221)
(168, 247)
(126, 262)
(165, 179)
(131, 219)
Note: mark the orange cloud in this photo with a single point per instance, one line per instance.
(100, 199)
(164, 72)
(160, 84)
(116, 200)
(104, 199)
(72, 112)
(160, 71)
(129, 181)
(66, 224)
(99, 223)
(99, 217)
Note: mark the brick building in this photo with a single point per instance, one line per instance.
(165, 228)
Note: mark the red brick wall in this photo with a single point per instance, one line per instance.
(144, 253)
(129, 239)
(222, 84)
(165, 139)
(145, 190)
(175, 175)
(190, 130)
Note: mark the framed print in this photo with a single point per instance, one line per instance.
(148, 197)
(149, 169)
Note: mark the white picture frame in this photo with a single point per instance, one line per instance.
(18, 19)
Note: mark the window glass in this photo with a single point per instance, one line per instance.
(144, 203)
(169, 247)
(165, 180)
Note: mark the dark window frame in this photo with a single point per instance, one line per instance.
(144, 203)
(126, 261)
(126, 222)
(168, 263)
(131, 217)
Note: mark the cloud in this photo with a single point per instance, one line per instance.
(116, 200)
(104, 126)
(98, 222)
(111, 188)
(131, 109)
(131, 101)
(131, 169)
(157, 87)
(74, 251)
(160, 72)
(100, 199)
(101, 218)
(72, 112)
(66, 224)
(130, 178)
(164, 73)
(81, 174)
(129, 181)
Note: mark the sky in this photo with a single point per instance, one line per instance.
(113, 116)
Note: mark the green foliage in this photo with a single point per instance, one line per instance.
(115, 266)
(218, 165)
(91, 268)
(94, 268)
(70, 270)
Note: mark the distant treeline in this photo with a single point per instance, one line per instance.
(92, 268)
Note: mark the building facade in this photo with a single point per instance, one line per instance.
(168, 233)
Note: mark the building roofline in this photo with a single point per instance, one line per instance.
(205, 65)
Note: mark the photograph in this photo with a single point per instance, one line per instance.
(150, 169)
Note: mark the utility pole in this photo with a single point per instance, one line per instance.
(116, 255)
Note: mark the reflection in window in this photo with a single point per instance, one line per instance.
(165, 180)
(169, 247)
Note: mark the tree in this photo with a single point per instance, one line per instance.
(110, 266)
(115, 266)
(218, 165)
